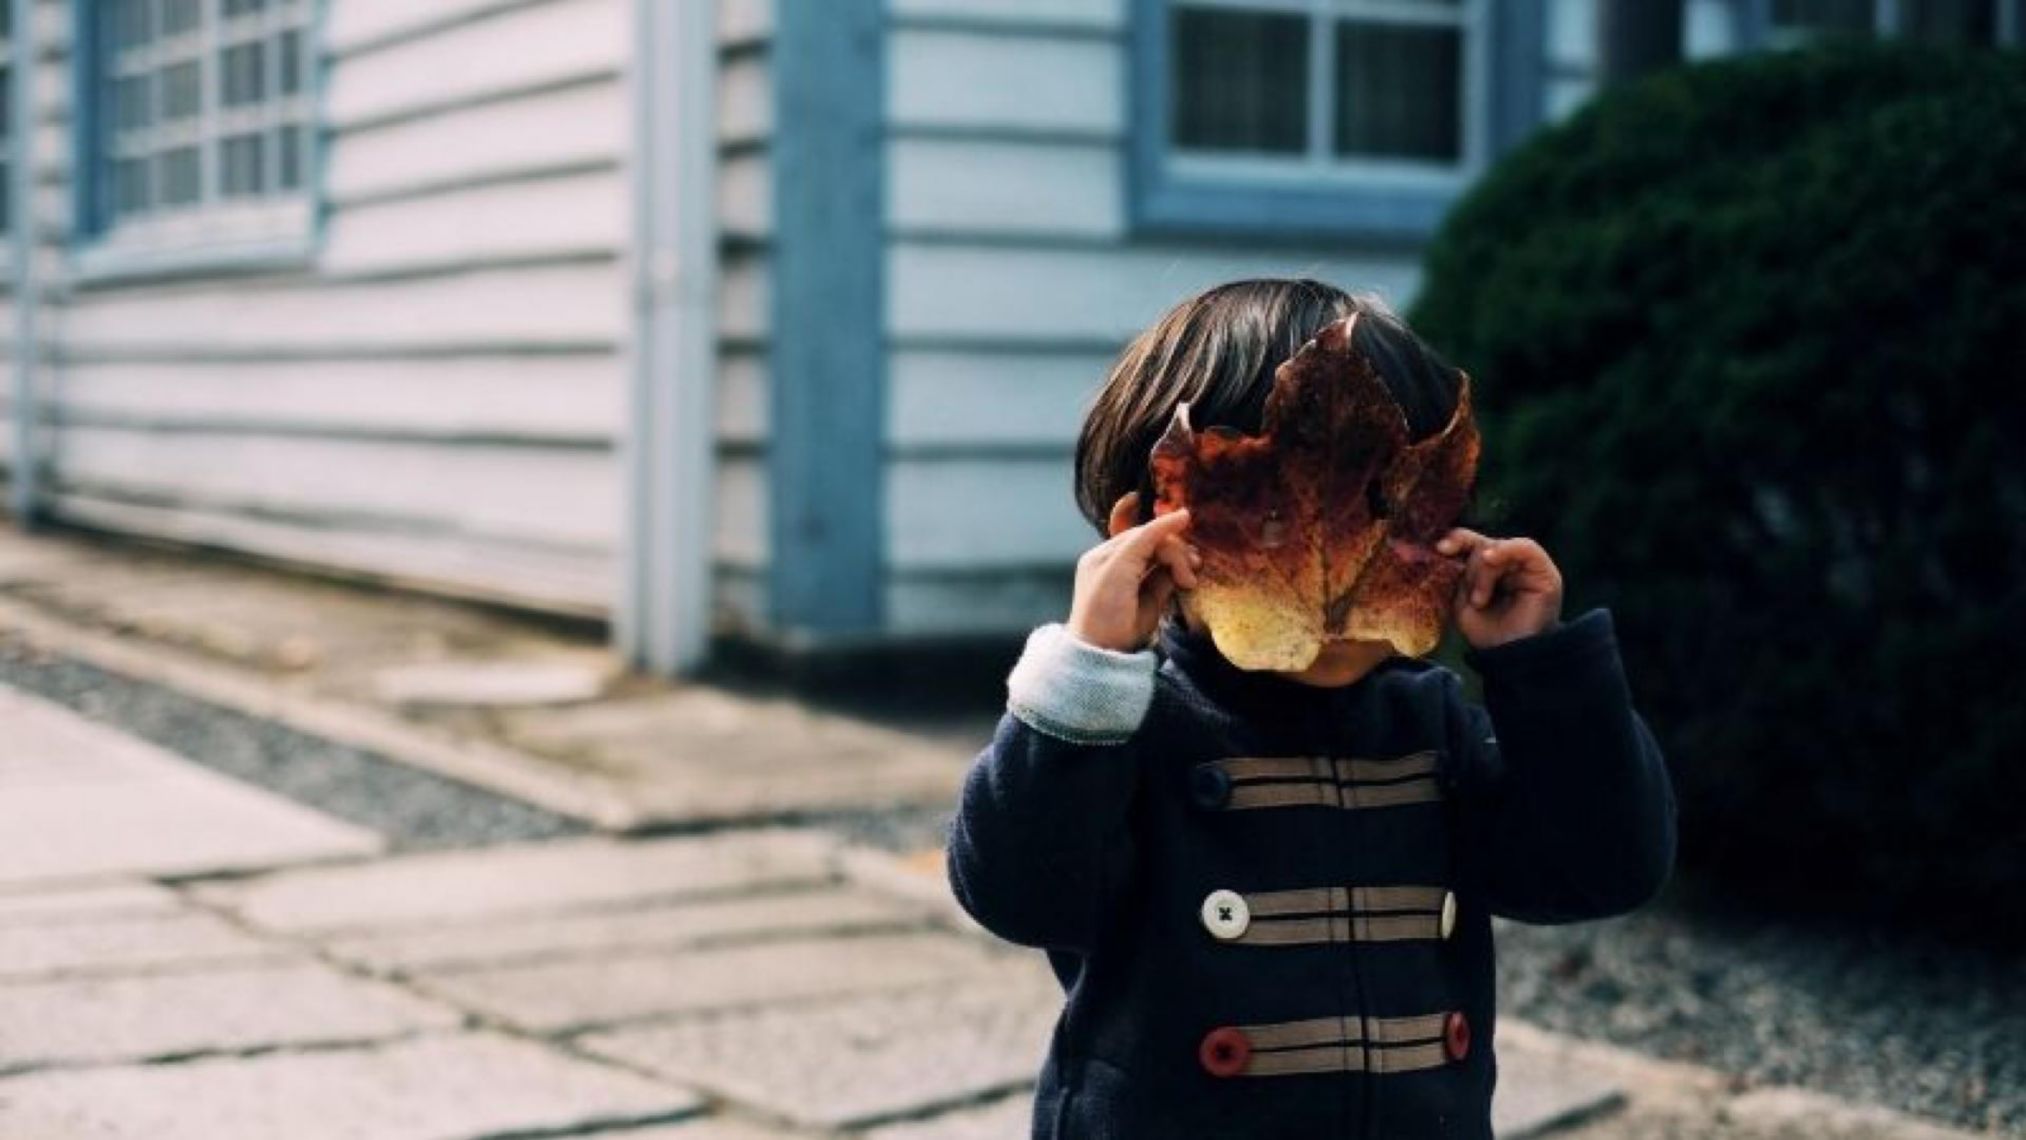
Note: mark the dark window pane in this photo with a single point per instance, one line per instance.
(242, 166)
(131, 102)
(180, 178)
(288, 46)
(130, 185)
(1948, 21)
(288, 141)
(243, 7)
(1833, 16)
(6, 102)
(245, 74)
(133, 22)
(182, 90)
(1399, 92)
(1239, 81)
(179, 16)
(6, 198)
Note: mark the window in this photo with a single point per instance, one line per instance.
(202, 127)
(6, 116)
(1963, 22)
(1330, 115)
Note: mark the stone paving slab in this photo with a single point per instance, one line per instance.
(456, 1087)
(553, 997)
(106, 900)
(706, 1128)
(79, 800)
(94, 944)
(667, 749)
(855, 1061)
(1541, 1091)
(102, 1020)
(802, 911)
(1010, 1118)
(552, 878)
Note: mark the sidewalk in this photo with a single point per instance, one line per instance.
(182, 955)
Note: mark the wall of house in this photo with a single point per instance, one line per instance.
(1011, 281)
(746, 217)
(438, 395)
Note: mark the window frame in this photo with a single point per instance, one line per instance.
(270, 232)
(1376, 200)
(1759, 33)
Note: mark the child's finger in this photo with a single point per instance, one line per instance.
(1155, 591)
(1176, 556)
(1482, 573)
(1140, 542)
(1459, 540)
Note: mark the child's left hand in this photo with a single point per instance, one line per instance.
(1510, 587)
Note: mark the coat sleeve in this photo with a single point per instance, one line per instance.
(1573, 814)
(1040, 844)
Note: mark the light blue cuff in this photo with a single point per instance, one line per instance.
(1072, 690)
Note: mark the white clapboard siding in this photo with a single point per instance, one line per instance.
(535, 398)
(740, 537)
(575, 126)
(1006, 186)
(741, 404)
(963, 513)
(953, 399)
(743, 298)
(571, 215)
(523, 308)
(1042, 83)
(559, 579)
(949, 289)
(745, 98)
(437, 396)
(521, 48)
(928, 605)
(560, 495)
(353, 24)
(744, 21)
(746, 194)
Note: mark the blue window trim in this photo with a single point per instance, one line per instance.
(827, 351)
(92, 260)
(1161, 202)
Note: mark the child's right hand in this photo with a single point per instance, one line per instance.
(1123, 584)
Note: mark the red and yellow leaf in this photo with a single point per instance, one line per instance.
(1320, 528)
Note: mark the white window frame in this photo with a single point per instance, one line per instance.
(277, 227)
(1887, 21)
(1320, 166)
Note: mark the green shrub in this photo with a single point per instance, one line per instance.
(1749, 340)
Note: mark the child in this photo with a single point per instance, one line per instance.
(1268, 896)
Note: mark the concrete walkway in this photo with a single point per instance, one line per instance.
(182, 956)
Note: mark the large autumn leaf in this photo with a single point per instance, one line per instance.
(1322, 526)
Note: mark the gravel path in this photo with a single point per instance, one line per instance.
(412, 808)
(1926, 1028)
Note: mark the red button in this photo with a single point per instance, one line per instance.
(1456, 1036)
(1224, 1052)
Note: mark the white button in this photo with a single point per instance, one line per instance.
(1225, 915)
(1448, 913)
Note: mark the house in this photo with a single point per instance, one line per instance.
(763, 320)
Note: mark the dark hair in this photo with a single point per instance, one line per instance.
(1217, 351)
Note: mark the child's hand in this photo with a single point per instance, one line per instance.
(1124, 582)
(1510, 587)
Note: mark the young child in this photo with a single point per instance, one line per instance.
(1268, 896)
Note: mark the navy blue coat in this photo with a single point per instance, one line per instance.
(1270, 908)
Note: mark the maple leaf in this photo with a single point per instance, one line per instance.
(1322, 526)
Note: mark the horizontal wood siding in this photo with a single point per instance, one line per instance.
(438, 397)
(1012, 280)
(745, 116)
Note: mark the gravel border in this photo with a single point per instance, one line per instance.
(414, 809)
